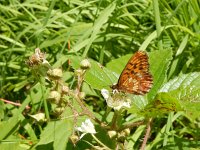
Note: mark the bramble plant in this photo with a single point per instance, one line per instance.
(61, 97)
(69, 103)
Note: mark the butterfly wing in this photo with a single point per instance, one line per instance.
(136, 78)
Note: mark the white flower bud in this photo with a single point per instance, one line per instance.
(112, 133)
(55, 73)
(85, 64)
(65, 89)
(54, 96)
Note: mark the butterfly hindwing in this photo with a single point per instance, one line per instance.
(135, 78)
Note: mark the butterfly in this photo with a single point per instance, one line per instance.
(135, 78)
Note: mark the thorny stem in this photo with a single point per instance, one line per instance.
(80, 81)
(147, 134)
(85, 110)
(75, 113)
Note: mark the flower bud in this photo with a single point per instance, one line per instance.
(112, 133)
(127, 131)
(85, 64)
(74, 139)
(54, 97)
(65, 89)
(55, 73)
(59, 110)
(79, 72)
(121, 136)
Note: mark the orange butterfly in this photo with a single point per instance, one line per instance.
(135, 78)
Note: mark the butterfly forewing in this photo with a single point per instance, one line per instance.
(135, 78)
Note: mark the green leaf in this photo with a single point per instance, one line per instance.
(8, 127)
(57, 132)
(138, 104)
(102, 135)
(186, 89)
(117, 65)
(175, 68)
(177, 143)
(99, 77)
(159, 65)
(163, 103)
(136, 136)
(179, 94)
(14, 143)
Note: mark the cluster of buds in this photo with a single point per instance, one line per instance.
(60, 93)
(41, 67)
(57, 96)
(120, 136)
(55, 74)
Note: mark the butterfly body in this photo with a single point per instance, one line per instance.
(135, 78)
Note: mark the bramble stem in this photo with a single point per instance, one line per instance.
(147, 134)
